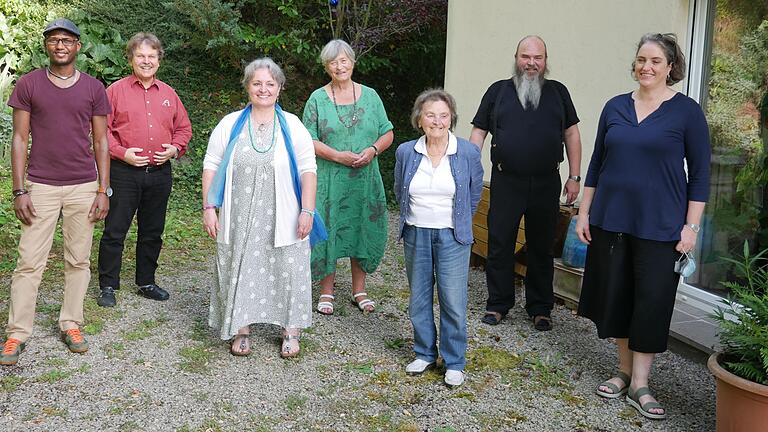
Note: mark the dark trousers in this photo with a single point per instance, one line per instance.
(629, 288)
(512, 196)
(142, 192)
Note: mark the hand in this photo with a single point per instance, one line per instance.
(133, 159)
(211, 222)
(305, 225)
(24, 209)
(347, 158)
(582, 228)
(169, 152)
(99, 208)
(570, 191)
(365, 158)
(687, 240)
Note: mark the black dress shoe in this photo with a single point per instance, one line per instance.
(107, 297)
(153, 292)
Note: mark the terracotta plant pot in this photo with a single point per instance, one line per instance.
(742, 405)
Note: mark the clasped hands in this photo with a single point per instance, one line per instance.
(356, 160)
(131, 157)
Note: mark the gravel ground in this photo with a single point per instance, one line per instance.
(157, 367)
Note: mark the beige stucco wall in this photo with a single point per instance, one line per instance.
(591, 44)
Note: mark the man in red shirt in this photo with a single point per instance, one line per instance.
(148, 126)
(60, 106)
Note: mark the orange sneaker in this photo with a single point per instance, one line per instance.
(74, 340)
(11, 350)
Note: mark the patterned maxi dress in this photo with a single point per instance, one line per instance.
(254, 282)
(351, 200)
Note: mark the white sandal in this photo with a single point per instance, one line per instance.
(321, 305)
(362, 304)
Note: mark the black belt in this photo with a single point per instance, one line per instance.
(146, 168)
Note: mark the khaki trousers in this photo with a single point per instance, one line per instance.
(73, 204)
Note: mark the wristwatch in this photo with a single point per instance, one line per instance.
(107, 191)
(19, 192)
(694, 227)
(575, 178)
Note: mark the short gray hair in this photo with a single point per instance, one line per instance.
(263, 63)
(433, 95)
(332, 49)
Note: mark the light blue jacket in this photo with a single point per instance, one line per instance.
(467, 175)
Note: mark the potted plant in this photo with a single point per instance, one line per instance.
(741, 368)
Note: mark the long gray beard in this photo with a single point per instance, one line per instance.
(528, 89)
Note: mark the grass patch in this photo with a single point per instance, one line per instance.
(464, 395)
(394, 344)
(56, 362)
(10, 383)
(144, 329)
(115, 350)
(53, 376)
(49, 308)
(308, 344)
(491, 359)
(547, 371)
(572, 399)
(196, 359)
(294, 402)
(96, 316)
(360, 367)
(384, 378)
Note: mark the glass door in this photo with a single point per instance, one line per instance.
(730, 40)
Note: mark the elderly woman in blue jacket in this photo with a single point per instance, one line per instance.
(438, 180)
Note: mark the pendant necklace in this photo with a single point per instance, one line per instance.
(260, 129)
(60, 76)
(354, 107)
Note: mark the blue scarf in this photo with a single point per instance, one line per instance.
(216, 192)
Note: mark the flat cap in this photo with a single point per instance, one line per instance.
(61, 24)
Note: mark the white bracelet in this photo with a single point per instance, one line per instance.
(309, 212)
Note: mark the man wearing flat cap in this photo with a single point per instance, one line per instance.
(65, 172)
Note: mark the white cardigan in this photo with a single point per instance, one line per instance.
(287, 207)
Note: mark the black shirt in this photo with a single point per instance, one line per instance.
(526, 142)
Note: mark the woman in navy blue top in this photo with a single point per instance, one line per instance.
(639, 212)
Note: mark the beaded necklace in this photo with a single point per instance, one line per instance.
(353, 119)
(250, 135)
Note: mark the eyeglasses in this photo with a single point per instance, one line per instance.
(66, 42)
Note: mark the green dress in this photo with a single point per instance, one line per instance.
(351, 200)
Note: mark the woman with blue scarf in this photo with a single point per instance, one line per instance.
(260, 173)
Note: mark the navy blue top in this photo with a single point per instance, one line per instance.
(637, 168)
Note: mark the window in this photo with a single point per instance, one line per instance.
(734, 94)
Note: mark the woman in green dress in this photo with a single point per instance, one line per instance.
(350, 128)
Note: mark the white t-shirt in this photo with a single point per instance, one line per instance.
(432, 190)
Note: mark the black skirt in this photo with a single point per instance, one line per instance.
(629, 288)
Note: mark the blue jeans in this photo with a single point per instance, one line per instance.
(434, 255)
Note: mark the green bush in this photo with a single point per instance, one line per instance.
(744, 319)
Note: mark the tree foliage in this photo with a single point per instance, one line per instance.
(401, 47)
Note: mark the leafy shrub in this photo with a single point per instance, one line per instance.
(744, 319)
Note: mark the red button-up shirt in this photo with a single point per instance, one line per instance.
(146, 118)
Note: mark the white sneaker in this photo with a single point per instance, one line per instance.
(454, 378)
(418, 367)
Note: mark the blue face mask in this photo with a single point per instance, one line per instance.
(685, 265)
